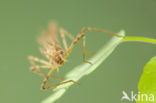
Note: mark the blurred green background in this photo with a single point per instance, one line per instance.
(22, 20)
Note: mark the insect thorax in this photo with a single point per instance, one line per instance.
(59, 57)
(55, 53)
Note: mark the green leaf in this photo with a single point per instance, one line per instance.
(147, 84)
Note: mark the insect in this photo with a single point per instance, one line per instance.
(55, 54)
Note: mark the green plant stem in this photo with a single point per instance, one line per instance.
(139, 39)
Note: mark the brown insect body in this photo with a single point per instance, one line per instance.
(51, 48)
(55, 54)
(59, 57)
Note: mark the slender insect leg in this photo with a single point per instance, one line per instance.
(53, 85)
(81, 35)
(44, 75)
(62, 83)
(46, 79)
(84, 56)
(69, 35)
(63, 39)
(32, 60)
(36, 69)
(99, 30)
(94, 29)
(57, 78)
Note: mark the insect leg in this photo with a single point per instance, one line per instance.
(93, 29)
(46, 79)
(62, 32)
(32, 60)
(99, 30)
(75, 41)
(69, 35)
(62, 83)
(37, 70)
(81, 35)
(84, 52)
(53, 85)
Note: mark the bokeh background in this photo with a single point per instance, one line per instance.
(21, 22)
